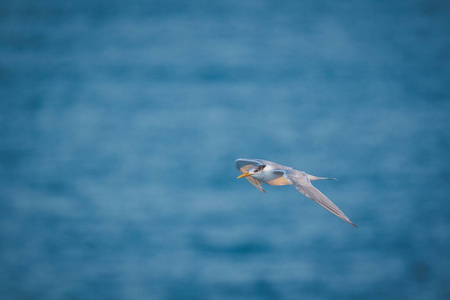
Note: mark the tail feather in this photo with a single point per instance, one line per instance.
(312, 177)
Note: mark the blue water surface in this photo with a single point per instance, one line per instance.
(120, 122)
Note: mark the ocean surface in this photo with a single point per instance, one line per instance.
(120, 122)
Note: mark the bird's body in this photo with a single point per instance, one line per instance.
(258, 171)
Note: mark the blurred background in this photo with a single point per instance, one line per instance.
(120, 122)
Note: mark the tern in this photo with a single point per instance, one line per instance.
(258, 171)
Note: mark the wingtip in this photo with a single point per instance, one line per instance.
(351, 223)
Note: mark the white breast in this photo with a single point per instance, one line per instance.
(271, 178)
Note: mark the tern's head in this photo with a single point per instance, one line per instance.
(254, 171)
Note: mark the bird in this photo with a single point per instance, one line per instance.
(258, 171)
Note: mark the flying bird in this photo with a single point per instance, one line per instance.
(258, 171)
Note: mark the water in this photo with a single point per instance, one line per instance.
(120, 122)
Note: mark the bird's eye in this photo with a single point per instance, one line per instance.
(256, 170)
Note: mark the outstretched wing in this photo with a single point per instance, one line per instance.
(243, 165)
(301, 182)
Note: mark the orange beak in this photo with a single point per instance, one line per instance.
(245, 175)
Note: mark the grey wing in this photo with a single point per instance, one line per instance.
(243, 165)
(301, 182)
